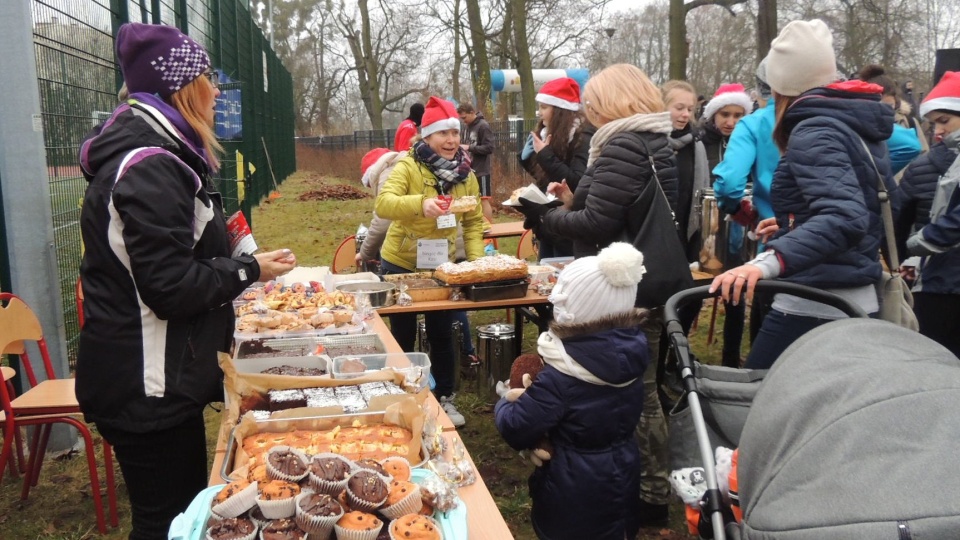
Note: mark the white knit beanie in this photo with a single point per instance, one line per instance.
(801, 58)
(591, 288)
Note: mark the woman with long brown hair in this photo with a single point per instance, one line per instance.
(557, 149)
(158, 274)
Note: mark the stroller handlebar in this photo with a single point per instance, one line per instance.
(682, 298)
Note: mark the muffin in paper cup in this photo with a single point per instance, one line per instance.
(256, 516)
(277, 499)
(371, 482)
(321, 485)
(283, 528)
(317, 525)
(407, 504)
(239, 499)
(275, 473)
(234, 525)
(399, 522)
(358, 526)
(398, 467)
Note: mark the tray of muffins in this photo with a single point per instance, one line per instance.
(325, 496)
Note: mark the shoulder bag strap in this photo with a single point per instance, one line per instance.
(885, 212)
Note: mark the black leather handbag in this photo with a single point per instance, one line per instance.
(652, 229)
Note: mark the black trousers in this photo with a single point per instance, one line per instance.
(163, 471)
(939, 318)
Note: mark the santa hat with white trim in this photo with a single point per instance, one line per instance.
(563, 92)
(438, 115)
(945, 96)
(728, 94)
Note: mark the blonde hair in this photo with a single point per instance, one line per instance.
(676, 85)
(188, 101)
(621, 91)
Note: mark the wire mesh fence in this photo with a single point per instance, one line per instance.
(78, 80)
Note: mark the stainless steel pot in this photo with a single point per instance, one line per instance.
(376, 294)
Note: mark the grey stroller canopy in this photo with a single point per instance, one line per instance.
(854, 434)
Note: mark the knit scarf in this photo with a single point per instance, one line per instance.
(448, 172)
(653, 123)
(555, 354)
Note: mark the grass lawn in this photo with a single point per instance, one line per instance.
(60, 507)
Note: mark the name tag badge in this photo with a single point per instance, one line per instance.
(446, 221)
(432, 253)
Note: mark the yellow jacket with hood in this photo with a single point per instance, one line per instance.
(401, 200)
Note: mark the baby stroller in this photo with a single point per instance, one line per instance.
(852, 434)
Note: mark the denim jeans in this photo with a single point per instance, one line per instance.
(439, 334)
(778, 332)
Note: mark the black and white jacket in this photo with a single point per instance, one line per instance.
(157, 275)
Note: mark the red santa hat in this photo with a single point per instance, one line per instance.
(563, 92)
(438, 115)
(368, 160)
(945, 96)
(728, 94)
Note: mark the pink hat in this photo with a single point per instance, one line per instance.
(438, 115)
(563, 92)
(944, 96)
(728, 94)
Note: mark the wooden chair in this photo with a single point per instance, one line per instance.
(526, 249)
(344, 259)
(44, 404)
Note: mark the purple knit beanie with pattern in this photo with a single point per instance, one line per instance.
(158, 59)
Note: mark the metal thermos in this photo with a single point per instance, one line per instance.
(497, 348)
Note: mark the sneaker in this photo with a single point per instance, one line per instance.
(653, 515)
(456, 418)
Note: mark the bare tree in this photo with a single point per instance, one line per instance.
(524, 66)
(382, 56)
(480, 61)
(766, 26)
(678, 31)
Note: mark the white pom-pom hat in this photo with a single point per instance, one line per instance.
(591, 288)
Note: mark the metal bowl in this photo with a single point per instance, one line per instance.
(377, 294)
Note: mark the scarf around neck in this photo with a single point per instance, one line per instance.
(448, 172)
(653, 123)
(554, 353)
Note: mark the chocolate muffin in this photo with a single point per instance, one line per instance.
(372, 464)
(366, 490)
(285, 464)
(282, 529)
(331, 469)
(320, 504)
(232, 529)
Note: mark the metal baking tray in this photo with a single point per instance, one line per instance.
(338, 345)
(280, 425)
(498, 290)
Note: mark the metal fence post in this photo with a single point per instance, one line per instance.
(23, 178)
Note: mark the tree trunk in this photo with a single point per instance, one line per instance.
(524, 66)
(457, 55)
(766, 27)
(372, 97)
(481, 78)
(678, 40)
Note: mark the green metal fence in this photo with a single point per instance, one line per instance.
(78, 81)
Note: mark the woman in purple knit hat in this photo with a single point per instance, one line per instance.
(158, 274)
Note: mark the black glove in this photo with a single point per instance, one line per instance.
(534, 212)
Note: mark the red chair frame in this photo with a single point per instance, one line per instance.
(45, 403)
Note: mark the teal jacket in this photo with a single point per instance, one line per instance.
(902, 146)
(751, 154)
